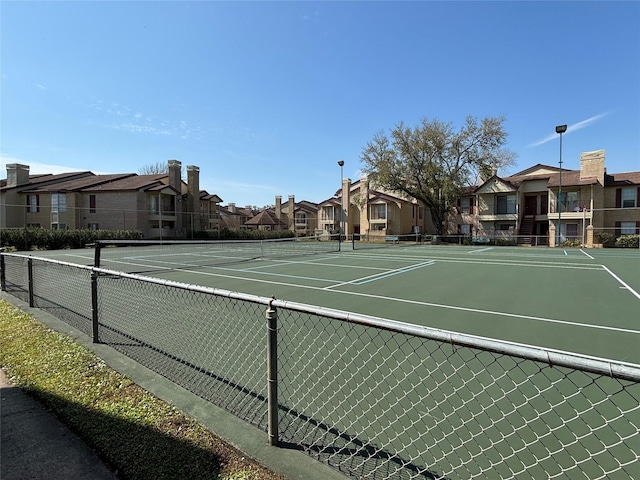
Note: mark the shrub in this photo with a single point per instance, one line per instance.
(628, 241)
(607, 239)
(572, 243)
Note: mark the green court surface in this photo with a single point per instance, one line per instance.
(580, 300)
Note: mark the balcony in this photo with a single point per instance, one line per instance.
(164, 215)
(576, 213)
(497, 217)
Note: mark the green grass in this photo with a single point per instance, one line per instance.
(137, 435)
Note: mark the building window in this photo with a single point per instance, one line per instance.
(379, 212)
(301, 218)
(571, 230)
(505, 204)
(570, 201)
(154, 205)
(92, 226)
(627, 228)
(628, 198)
(327, 213)
(58, 202)
(378, 227)
(33, 203)
(58, 226)
(464, 229)
(92, 204)
(465, 205)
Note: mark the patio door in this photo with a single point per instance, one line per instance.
(530, 205)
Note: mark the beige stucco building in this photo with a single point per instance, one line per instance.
(160, 206)
(544, 205)
(360, 210)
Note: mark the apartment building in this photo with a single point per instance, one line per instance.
(359, 209)
(161, 206)
(546, 205)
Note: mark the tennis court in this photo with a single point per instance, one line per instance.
(583, 301)
(372, 400)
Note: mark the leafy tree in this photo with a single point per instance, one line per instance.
(433, 162)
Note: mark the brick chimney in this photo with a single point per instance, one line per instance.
(592, 165)
(193, 191)
(175, 180)
(17, 174)
(291, 213)
(278, 207)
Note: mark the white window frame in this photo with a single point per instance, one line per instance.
(58, 202)
(628, 198)
(627, 228)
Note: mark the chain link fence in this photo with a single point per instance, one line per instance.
(373, 398)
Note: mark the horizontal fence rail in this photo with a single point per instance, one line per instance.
(373, 398)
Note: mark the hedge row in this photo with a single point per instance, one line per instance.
(45, 239)
(227, 234)
(609, 240)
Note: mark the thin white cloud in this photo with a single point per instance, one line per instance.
(570, 128)
(40, 86)
(135, 128)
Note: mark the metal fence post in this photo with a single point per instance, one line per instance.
(94, 306)
(3, 278)
(96, 254)
(272, 373)
(30, 273)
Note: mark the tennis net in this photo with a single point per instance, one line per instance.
(137, 256)
(361, 242)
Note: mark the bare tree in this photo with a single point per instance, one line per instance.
(432, 162)
(157, 168)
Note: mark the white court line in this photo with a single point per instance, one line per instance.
(587, 254)
(624, 284)
(481, 250)
(380, 276)
(428, 304)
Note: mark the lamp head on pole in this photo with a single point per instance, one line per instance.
(341, 163)
(561, 129)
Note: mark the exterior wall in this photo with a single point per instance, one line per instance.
(12, 209)
(613, 214)
(43, 216)
(305, 222)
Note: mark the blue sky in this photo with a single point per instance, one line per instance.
(266, 97)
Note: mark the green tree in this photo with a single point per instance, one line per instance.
(433, 162)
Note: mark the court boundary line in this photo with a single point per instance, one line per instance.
(625, 285)
(436, 305)
(582, 250)
(382, 275)
(430, 304)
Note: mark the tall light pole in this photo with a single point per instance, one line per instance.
(560, 129)
(341, 163)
